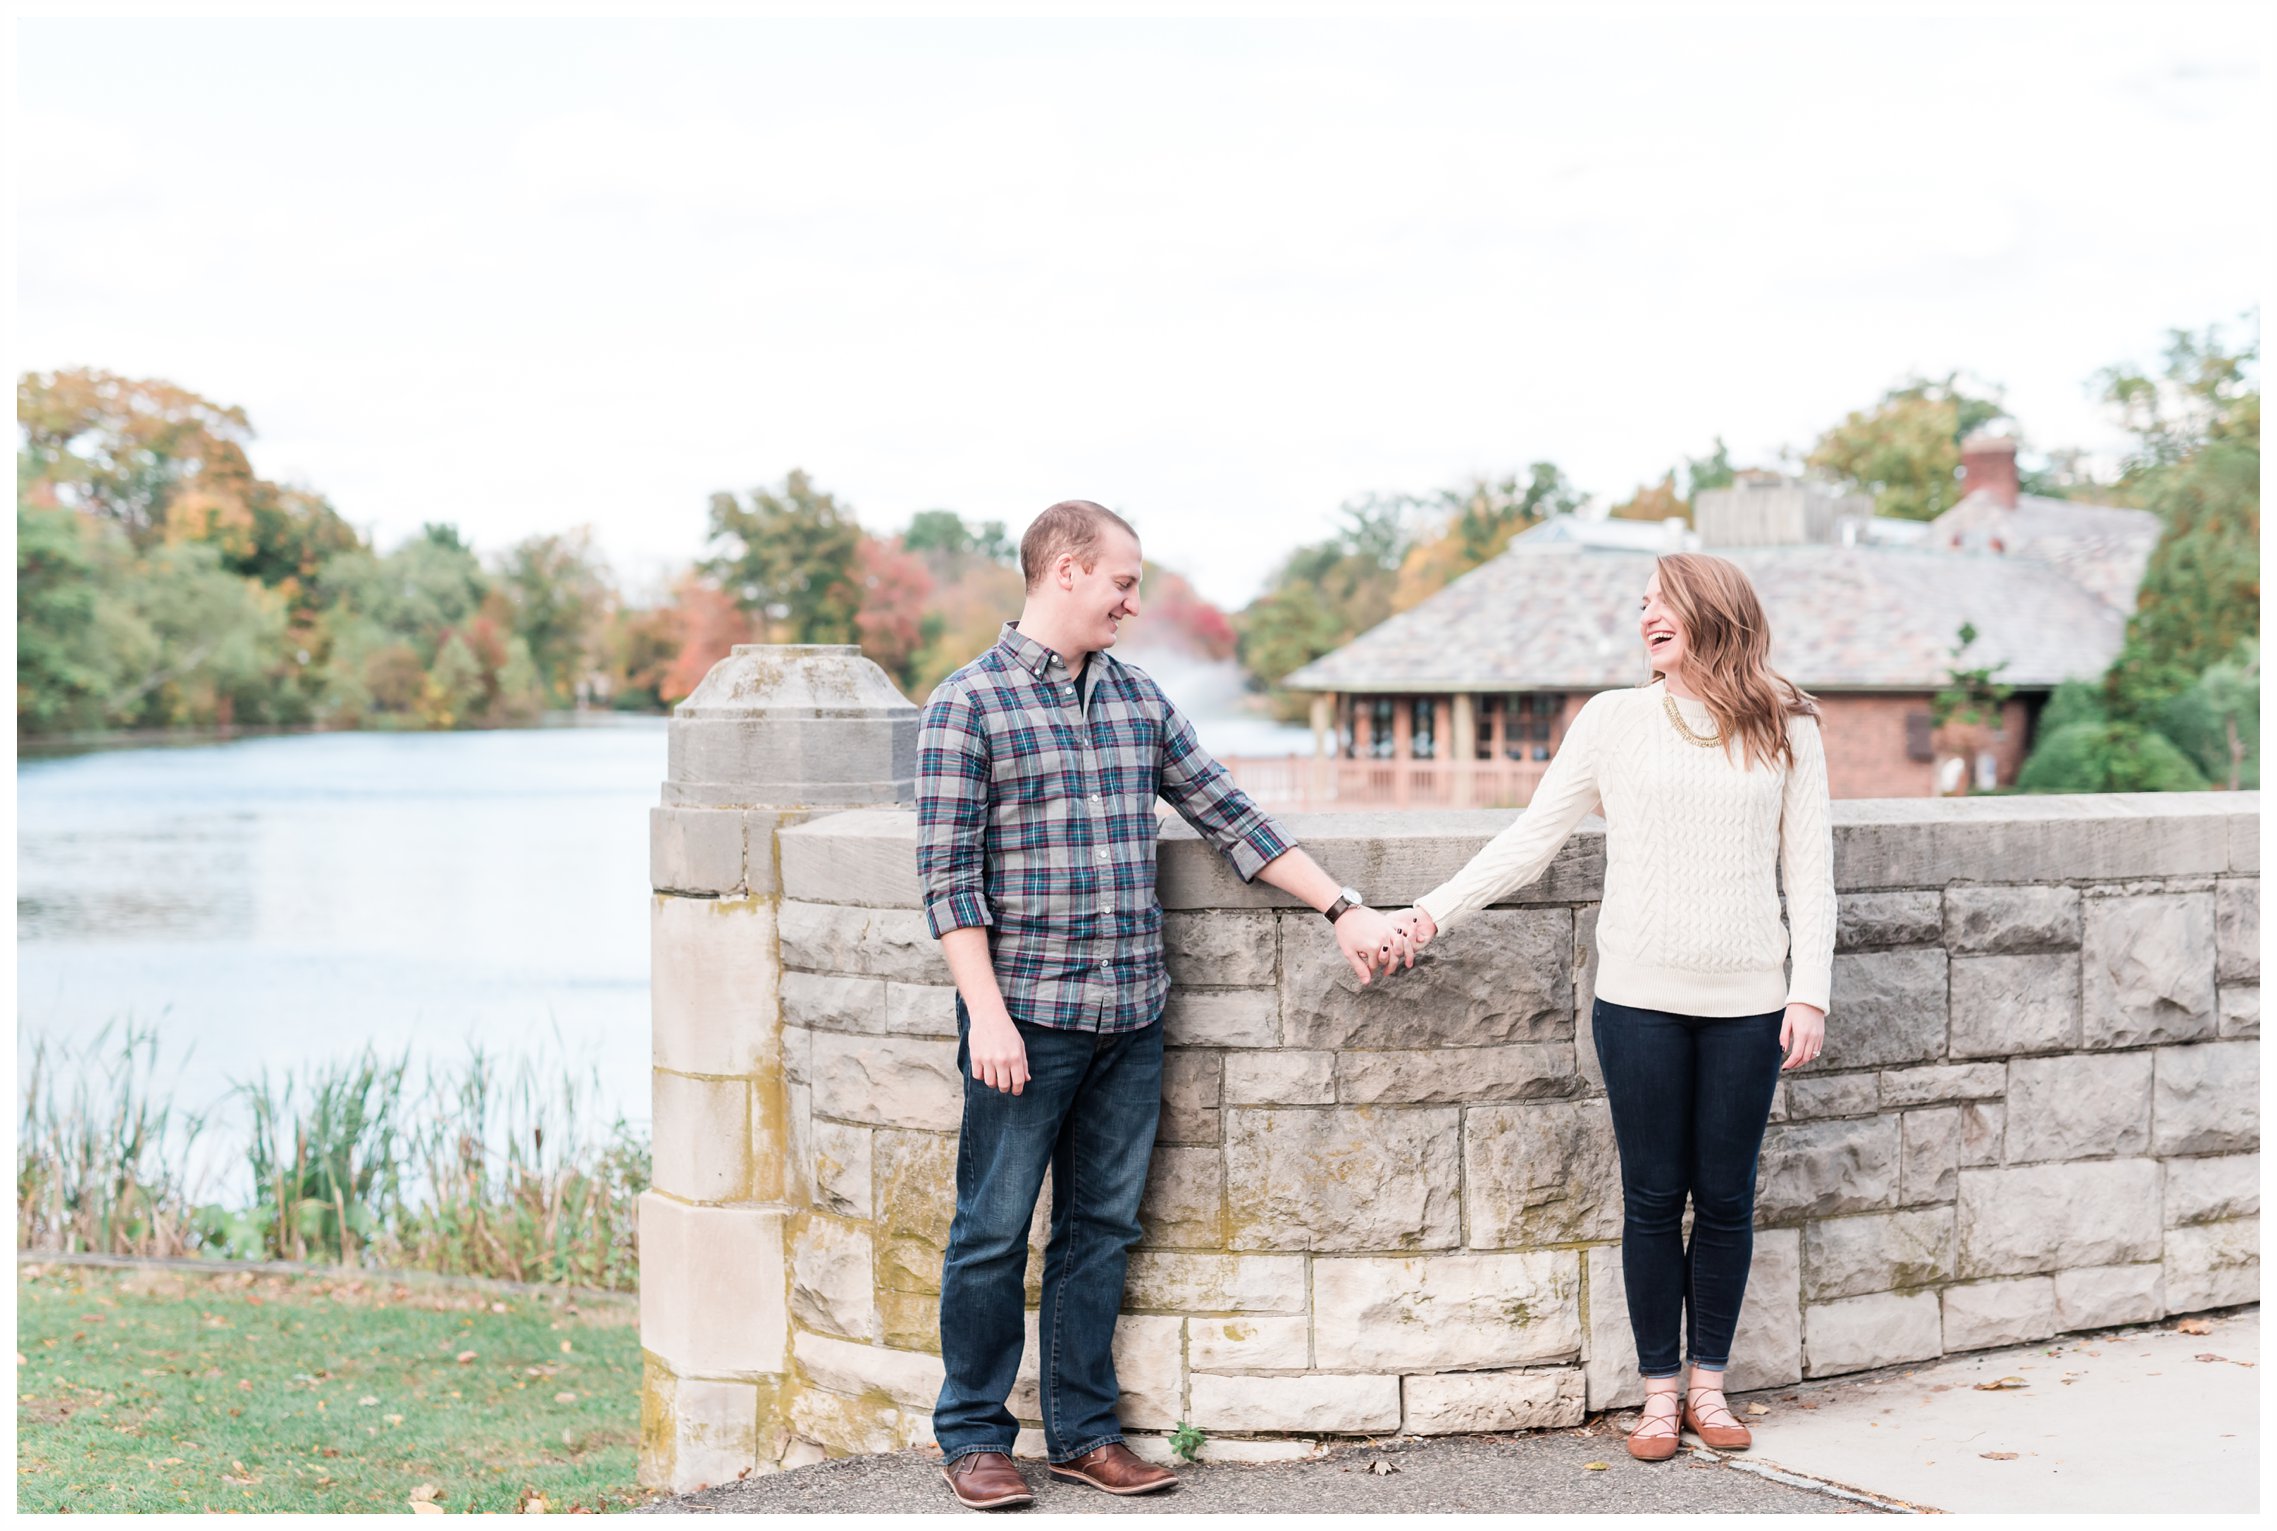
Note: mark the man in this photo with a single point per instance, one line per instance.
(1037, 769)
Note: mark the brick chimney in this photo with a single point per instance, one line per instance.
(1989, 463)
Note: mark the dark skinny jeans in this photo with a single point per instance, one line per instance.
(1690, 1095)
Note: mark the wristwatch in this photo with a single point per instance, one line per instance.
(1346, 899)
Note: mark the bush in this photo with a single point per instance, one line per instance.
(2108, 757)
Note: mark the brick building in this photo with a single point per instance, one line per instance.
(1464, 698)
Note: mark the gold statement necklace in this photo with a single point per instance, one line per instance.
(1706, 741)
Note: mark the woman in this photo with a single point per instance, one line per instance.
(1713, 777)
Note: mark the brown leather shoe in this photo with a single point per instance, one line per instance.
(987, 1480)
(1117, 1469)
(1727, 1433)
(1654, 1437)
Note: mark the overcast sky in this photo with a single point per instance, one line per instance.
(523, 275)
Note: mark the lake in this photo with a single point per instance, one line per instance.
(277, 901)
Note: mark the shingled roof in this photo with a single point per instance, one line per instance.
(2104, 548)
(1561, 615)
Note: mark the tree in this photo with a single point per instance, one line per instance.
(1325, 594)
(787, 558)
(708, 623)
(557, 587)
(892, 622)
(2108, 757)
(1713, 471)
(67, 617)
(945, 532)
(125, 449)
(1475, 522)
(1654, 502)
(1906, 450)
(2217, 721)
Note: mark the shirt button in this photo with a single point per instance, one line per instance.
(1110, 909)
(1102, 853)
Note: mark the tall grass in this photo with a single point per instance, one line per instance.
(476, 1172)
(101, 1155)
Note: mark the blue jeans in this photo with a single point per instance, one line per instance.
(1690, 1095)
(1088, 1113)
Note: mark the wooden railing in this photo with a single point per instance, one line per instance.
(1302, 784)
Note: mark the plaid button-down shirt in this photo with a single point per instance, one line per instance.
(1035, 818)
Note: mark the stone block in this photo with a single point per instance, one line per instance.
(1874, 921)
(799, 1157)
(2103, 1296)
(2245, 841)
(798, 1055)
(1223, 948)
(921, 1009)
(1980, 921)
(712, 985)
(859, 1426)
(1877, 1252)
(698, 1432)
(1249, 1344)
(2239, 1011)
(1456, 1075)
(1983, 1314)
(2077, 1106)
(1929, 1156)
(2031, 1218)
(1811, 1095)
(1466, 1403)
(1280, 1077)
(1503, 975)
(2208, 1098)
(887, 1081)
(1767, 1342)
(1983, 1130)
(908, 1377)
(2008, 1005)
(2237, 930)
(857, 855)
(1150, 1368)
(2147, 970)
(835, 1002)
(1446, 1311)
(1172, 1281)
(2213, 1265)
(1222, 1018)
(1823, 1169)
(1609, 1358)
(1584, 999)
(2212, 1190)
(1322, 1403)
(712, 1288)
(1190, 1093)
(881, 943)
(1935, 1084)
(910, 1320)
(842, 1169)
(916, 1202)
(1343, 1178)
(1544, 1173)
(696, 850)
(831, 1288)
(1856, 1334)
(1184, 1205)
(1887, 1007)
(701, 1137)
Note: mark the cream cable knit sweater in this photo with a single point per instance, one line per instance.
(1690, 922)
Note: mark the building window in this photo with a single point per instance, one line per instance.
(1527, 720)
(1381, 710)
(1422, 739)
(1488, 707)
(1918, 729)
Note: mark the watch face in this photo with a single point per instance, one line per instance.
(1354, 895)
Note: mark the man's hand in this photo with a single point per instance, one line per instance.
(999, 1057)
(1365, 936)
(1415, 927)
(1802, 1032)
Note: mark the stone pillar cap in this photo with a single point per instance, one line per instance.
(811, 680)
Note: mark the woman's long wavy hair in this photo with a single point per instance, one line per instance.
(1727, 656)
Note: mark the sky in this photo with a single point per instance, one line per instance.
(526, 275)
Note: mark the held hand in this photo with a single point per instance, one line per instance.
(1803, 1034)
(999, 1057)
(1416, 926)
(1366, 938)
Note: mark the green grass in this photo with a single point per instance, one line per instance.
(157, 1389)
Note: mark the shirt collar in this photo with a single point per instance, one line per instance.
(1035, 658)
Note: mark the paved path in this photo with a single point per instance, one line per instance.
(2132, 1420)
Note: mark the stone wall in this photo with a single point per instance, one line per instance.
(1398, 1208)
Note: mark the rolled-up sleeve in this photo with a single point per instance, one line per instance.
(952, 813)
(1203, 792)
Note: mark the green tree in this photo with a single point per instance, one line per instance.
(2108, 757)
(68, 619)
(126, 449)
(788, 558)
(1713, 471)
(1325, 594)
(945, 532)
(454, 683)
(211, 642)
(559, 592)
(2217, 721)
(1906, 450)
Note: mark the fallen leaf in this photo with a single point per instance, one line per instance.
(565, 1347)
(393, 1419)
(466, 1357)
(425, 1507)
(498, 1307)
(1756, 1408)
(2001, 1384)
(1382, 1468)
(422, 1492)
(2194, 1326)
(565, 1398)
(1998, 1456)
(366, 1401)
(1595, 1467)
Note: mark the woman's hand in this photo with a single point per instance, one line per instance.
(1416, 926)
(1803, 1034)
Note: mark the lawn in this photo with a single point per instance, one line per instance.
(160, 1389)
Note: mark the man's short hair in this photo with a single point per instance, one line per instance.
(1071, 526)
